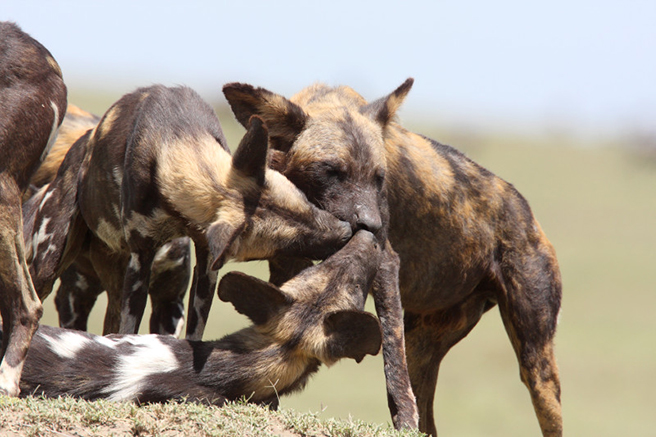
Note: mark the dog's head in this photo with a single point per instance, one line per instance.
(273, 217)
(330, 143)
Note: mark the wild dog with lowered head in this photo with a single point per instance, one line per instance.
(466, 239)
(316, 317)
(32, 106)
(158, 168)
(83, 281)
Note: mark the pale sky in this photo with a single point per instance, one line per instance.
(583, 64)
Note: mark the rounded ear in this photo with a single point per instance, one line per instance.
(220, 236)
(284, 118)
(251, 155)
(352, 334)
(256, 299)
(384, 109)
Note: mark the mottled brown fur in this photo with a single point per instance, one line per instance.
(315, 318)
(466, 239)
(83, 281)
(157, 167)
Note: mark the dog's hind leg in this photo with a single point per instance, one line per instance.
(429, 336)
(169, 281)
(78, 291)
(135, 287)
(529, 303)
(20, 306)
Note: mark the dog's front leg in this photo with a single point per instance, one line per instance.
(201, 294)
(20, 306)
(387, 298)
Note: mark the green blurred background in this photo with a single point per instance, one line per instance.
(596, 201)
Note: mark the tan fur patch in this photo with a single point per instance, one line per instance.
(75, 124)
(198, 193)
(54, 65)
(107, 122)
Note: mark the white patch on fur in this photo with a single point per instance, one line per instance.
(166, 263)
(107, 342)
(134, 262)
(117, 173)
(81, 282)
(41, 236)
(46, 196)
(150, 357)
(67, 344)
(53, 131)
(9, 377)
(178, 327)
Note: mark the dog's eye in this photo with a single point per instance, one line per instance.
(380, 179)
(335, 172)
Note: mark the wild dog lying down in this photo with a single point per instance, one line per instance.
(467, 240)
(80, 284)
(32, 106)
(156, 168)
(312, 319)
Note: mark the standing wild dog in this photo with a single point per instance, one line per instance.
(81, 284)
(316, 317)
(32, 106)
(466, 239)
(156, 168)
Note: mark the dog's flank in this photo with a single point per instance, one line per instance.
(316, 318)
(466, 239)
(32, 106)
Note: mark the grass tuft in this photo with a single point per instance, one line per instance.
(36, 416)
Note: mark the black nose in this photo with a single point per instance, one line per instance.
(367, 221)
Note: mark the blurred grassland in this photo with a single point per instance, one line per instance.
(596, 201)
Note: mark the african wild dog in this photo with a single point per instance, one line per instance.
(316, 317)
(466, 239)
(32, 106)
(156, 168)
(82, 282)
